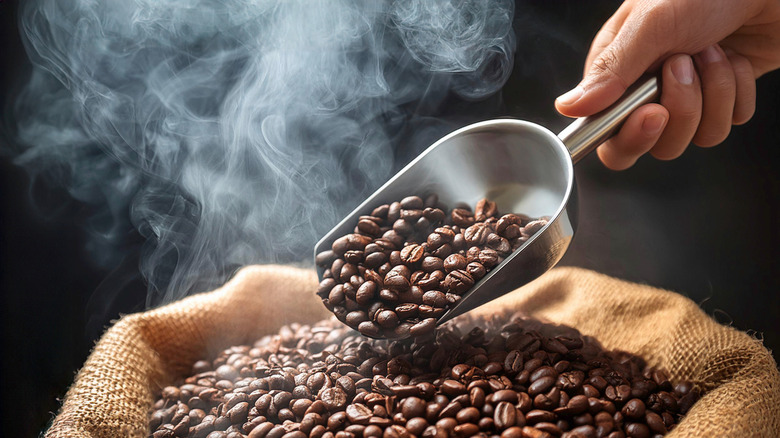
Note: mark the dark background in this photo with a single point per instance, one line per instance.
(704, 225)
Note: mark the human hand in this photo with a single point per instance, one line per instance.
(709, 53)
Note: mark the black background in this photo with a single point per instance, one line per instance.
(704, 225)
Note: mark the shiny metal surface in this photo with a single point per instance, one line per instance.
(521, 166)
(586, 133)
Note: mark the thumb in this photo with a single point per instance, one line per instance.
(621, 62)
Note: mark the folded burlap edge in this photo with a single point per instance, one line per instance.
(142, 352)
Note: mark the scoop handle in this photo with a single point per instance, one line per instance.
(585, 133)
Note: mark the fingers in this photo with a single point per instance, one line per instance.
(718, 96)
(638, 135)
(698, 104)
(681, 96)
(636, 45)
(606, 35)
(745, 103)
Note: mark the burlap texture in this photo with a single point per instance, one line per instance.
(113, 392)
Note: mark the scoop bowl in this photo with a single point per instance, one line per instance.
(524, 168)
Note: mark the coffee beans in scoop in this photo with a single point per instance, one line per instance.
(410, 261)
(507, 377)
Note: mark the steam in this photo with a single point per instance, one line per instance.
(237, 132)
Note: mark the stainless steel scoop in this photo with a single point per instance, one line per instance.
(521, 166)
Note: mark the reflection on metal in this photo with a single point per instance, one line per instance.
(586, 133)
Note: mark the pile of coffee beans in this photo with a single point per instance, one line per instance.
(408, 262)
(503, 377)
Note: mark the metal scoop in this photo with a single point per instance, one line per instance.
(521, 166)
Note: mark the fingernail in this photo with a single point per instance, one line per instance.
(682, 69)
(710, 55)
(570, 96)
(653, 124)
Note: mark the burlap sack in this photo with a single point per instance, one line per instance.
(113, 392)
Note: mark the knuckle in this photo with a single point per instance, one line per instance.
(722, 84)
(741, 66)
(687, 115)
(663, 19)
(607, 64)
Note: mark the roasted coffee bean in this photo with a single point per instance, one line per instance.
(497, 379)
(411, 215)
(634, 409)
(459, 281)
(637, 430)
(386, 319)
(358, 413)
(585, 431)
(476, 235)
(412, 254)
(334, 398)
(434, 298)
(365, 293)
(549, 400)
(425, 326)
(488, 258)
(388, 239)
(454, 262)
(462, 217)
(655, 422)
(505, 415)
(537, 415)
(412, 203)
(485, 209)
(541, 385)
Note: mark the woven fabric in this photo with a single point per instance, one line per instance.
(143, 352)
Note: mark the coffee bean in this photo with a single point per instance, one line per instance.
(485, 209)
(459, 281)
(476, 235)
(238, 413)
(358, 413)
(369, 328)
(533, 227)
(412, 254)
(634, 409)
(543, 371)
(488, 258)
(549, 428)
(386, 319)
(334, 398)
(637, 430)
(468, 415)
(655, 422)
(537, 415)
(354, 318)
(434, 215)
(515, 432)
(465, 430)
(453, 387)
(462, 217)
(585, 431)
(577, 404)
(412, 203)
(496, 378)
(454, 262)
(549, 400)
(541, 385)
(505, 395)
(505, 415)
(434, 298)
(425, 326)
